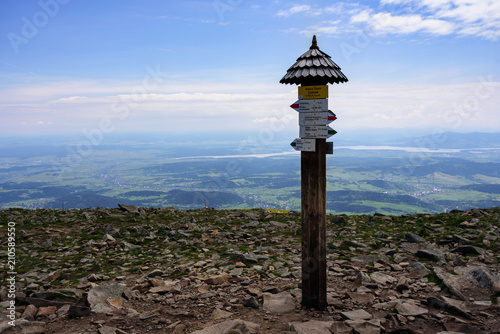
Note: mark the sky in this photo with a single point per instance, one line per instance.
(94, 68)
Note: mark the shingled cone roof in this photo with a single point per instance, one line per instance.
(314, 68)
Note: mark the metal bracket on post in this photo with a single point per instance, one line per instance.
(329, 147)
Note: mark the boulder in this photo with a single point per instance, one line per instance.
(278, 303)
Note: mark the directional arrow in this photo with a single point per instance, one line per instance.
(316, 118)
(316, 131)
(296, 105)
(312, 105)
(331, 116)
(304, 144)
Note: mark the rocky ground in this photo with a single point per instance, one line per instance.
(147, 270)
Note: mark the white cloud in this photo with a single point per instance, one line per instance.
(174, 106)
(249, 107)
(394, 2)
(294, 10)
(402, 24)
(361, 17)
(326, 28)
(480, 18)
(452, 107)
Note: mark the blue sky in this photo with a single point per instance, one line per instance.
(83, 67)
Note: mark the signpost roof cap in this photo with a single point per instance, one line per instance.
(314, 43)
(314, 67)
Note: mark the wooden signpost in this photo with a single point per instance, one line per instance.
(314, 118)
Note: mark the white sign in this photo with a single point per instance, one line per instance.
(316, 131)
(311, 105)
(316, 118)
(304, 144)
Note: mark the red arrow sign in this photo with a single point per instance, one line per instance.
(311, 105)
(331, 116)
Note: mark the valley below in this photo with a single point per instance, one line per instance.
(154, 173)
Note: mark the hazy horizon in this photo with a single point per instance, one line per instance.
(117, 66)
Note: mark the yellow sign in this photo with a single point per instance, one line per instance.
(313, 92)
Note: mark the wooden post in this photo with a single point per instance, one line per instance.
(313, 68)
(313, 184)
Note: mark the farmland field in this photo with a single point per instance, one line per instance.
(360, 180)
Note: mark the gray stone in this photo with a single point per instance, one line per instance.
(51, 276)
(311, 327)
(30, 312)
(278, 303)
(381, 278)
(98, 296)
(155, 273)
(460, 240)
(112, 231)
(251, 302)
(236, 272)
(148, 315)
(408, 309)
(63, 311)
(129, 208)
(339, 327)
(40, 302)
(453, 324)
(361, 298)
(450, 281)
(143, 231)
(24, 326)
(76, 311)
(108, 238)
(231, 327)
(253, 258)
(220, 314)
(110, 330)
(352, 243)
(413, 238)
(433, 254)
(485, 278)
(465, 250)
(179, 329)
(417, 269)
(371, 326)
(402, 285)
(162, 289)
(127, 245)
(362, 279)
(375, 258)
(356, 315)
(440, 304)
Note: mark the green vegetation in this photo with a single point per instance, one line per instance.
(358, 182)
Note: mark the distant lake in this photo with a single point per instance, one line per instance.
(358, 148)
